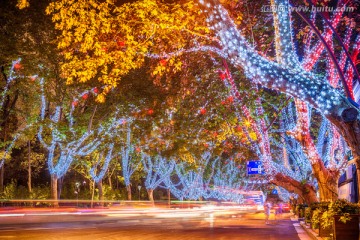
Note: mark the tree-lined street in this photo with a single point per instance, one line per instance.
(245, 103)
(147, 224)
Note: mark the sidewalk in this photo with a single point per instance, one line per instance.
(304, 230)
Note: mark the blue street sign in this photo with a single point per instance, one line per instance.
(274, 191)
(255, 167)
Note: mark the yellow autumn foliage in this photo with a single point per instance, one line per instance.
(186, 156)
(21, 4)
(103, 41)
(253, 136)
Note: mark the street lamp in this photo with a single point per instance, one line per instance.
(139, 187)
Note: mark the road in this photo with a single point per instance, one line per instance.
(136, 224)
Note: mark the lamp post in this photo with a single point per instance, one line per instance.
(77, 190)
(139, 187)
(83, 185)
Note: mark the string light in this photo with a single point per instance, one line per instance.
(128, 161)
(98, 177)
(294, 80)
(156, 169)
(67, 149)
(13, 75)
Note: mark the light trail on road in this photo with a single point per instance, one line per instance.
(207, 222)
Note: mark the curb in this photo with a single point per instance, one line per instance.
(311, 233)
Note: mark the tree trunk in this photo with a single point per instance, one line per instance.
(150, 193)
(306, 192)
(328, 190)
(101, 193)
(2, 173)
(326, 177)
(128, 189)
(110, 174)
(169, 196)
(117, 182)
(59, 187)
(327, 182)
(29, 168)
(54, 190)
(328, 185)
(110, 182)
(92, 189)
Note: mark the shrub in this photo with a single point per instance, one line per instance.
(9, 190)
(340, 207)
(40, 192)
(307, 214)
(111, 194)
(326, 211)
(315, 219)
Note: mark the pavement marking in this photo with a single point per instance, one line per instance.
(83, 228)
(12, 215)
(38, 228)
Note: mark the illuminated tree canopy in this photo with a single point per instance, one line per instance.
(208, 87)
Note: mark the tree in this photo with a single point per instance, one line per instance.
(65, 141)
(100, 167)
(287, 76)
(27, 35)
(227, 182)
(129, 158)
(7, 104)
(190, 183)
(157, 169)
(321, 169)
(35, 161)
(18, 108)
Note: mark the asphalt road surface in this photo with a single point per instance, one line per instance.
(149, 224)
